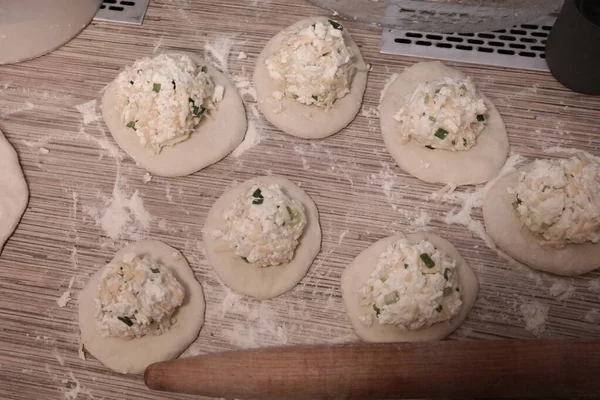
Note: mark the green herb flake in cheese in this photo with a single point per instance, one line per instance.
(131, 82)
(480, 118)
(336, 25)
(446, 271)
(156, 87)
(439, 308)
(430, 147)
(126, 320)
(245, 260)
(447, 291)
(432, 118)
(441, 133)
(377, 310)
(155, 270)
(463, 87)
(131, 124)
(391, 298)
(427, 98)
(427, 260)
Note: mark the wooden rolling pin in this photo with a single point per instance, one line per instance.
(495, 368)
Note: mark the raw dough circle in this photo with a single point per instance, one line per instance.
(267, 282)
(505, 228)
(213, 139)
(361, 268)
(134, 355)
(301, 120)
(14, 194)
(31, 28)
(477, 165)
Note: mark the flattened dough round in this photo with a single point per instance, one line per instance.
(301, 120)
(31, 28)
(14, 194)
(477, 165)
(505, 228)
(267, 282)
(134, 355)
(213, 139)
(361, 268)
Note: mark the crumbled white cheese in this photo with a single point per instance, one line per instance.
(313, 66)
(263, 226)
(559, 200)
(413, 286)
(163, 98)
(136, 297)
(444, 114)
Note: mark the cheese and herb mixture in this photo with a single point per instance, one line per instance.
(313, 66)
(413, 286)
(559, 200)
(443, 114)
(136, 297)
(163, 98)
(263, 226)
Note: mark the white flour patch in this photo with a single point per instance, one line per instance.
(75, 389)
(6, 111)
(342, 236)
(88, 112)
(594, 286)
(147, 177)
(592, 316)
(64, 299)
(219, 51)
(387, 85)
(421, 221)
(242, 55)
(158, 44)
(535, 315)
(252, 138)
(562, 290)
(386, 179)
(168, 194)
(245, 88)
(43, 151)
(370, 112)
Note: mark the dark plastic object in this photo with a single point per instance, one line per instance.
(573, 48)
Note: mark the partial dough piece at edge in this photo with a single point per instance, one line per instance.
(359, 271)
(508, 232)
(134, 355)
(267, 282)
(300, 120)
(217, 134)
(479, 164)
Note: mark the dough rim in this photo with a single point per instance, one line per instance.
(268, 282)
(213, 139)
(301, 120)
(134, 355)
(505, 228)
(365, 263)
(480, 164)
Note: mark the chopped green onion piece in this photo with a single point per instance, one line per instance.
(258, 201)
(198, 111)
(447, 291)
(257, 193)
(457, 290)
(377, 310)
(156, 87)
(131, 124)
(405, 266)
(391, 298)
(326, 54)
(430, 147)
(446, 273)
(174, 85)
(427, 260)
(336, 25)
(464, 142)
(191, 100)
(315, 97)
(432, 118)
(155, 270)
(426, 99)
(519, 201)
(441, 133)
(245, 260)
(439, 308)
(203, 68)
(463, 87)
(126, 320)
(131, 82)
(480, 117)
(383, 279)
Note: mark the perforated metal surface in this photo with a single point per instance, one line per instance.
(125, 11)
(522, 46)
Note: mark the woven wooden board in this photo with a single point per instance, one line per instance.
(361, 194)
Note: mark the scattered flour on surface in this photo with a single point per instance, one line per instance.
(64, 299)
(88, 112)
(562, 290)
(252, 138)
(219, 50)
(592, 316)
(73, 393)
(594, 286)
(43, 151)
(387, 85)
(147, 177)
(242, 55)
(535, 315)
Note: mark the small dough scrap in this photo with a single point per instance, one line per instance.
(132, 356)
(301, 120)
(214, 137)
(479, 164)
(507, 231)
(262, 282)
(14, 193)
(359, 271)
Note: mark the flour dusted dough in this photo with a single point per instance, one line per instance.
(301, 120)
(13, 191)
(215, 136)
(267, 282)
(505, 228)
(31, 28)
(361, 268)
(134, 355)
(479, 164)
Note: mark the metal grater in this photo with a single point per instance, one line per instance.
(128, 12)
(522, 46)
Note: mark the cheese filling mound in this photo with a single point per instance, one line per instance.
(136, 297)
(559, 200)
(263, 226)
(413, 286)
(313, 66)
(443, 114)
(163, 98)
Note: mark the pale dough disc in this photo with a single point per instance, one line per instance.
(14, 194)
(301, 120)
(361, 268)
(267, 282)
(505, 228)
(31, 28)
(132, 356)
(214, 138)
(479, 164)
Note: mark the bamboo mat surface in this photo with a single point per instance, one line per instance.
(79, 179)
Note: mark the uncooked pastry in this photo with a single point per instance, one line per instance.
(479, 164)
(214, 138)
(361, 268)
(301, 120)
(31, 28)
(134, 355)
(266, 282)
(504, 226)
(13, 190)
